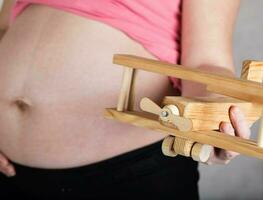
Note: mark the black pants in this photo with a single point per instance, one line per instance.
(143, 173)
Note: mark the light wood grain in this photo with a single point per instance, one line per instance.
(131, 101)
(148, 105)
(206, 113)
(201, 152)
(252, 70)
(168, 114)
(183, 146)
(181, 123)
(123, 101)
(167, 146)
(216, 139)
(233, 87)
(129, 73)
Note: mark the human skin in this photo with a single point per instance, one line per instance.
(207, 31)
(57, 78)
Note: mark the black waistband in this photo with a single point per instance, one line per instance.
(126, 171)
(126, 159)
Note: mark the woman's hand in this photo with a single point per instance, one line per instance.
(237, 127)
(206, 44)
(5, 166)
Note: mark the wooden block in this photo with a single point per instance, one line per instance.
(206, 113)
(252, 70)
(233, 87)
(183, 146)
(201, 152)
(167, 146)
(213, 138)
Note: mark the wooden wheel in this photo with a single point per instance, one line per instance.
(167, 146)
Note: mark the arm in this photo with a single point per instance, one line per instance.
(4, 16)
(207, 29)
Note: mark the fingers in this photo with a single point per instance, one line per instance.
(225, 127)
(239, 122)
(237, 127)
(224, 155)
(218, 156)
(5, 166)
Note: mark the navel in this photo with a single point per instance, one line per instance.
(22, 104)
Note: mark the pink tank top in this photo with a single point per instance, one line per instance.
(155, 24)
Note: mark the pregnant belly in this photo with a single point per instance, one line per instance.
(55, 81)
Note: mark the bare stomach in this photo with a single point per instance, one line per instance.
(56, 78)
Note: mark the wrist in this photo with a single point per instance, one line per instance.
(191, 89)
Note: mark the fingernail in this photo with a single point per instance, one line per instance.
(11, 172)
(224, 127)
(236, 110)
(222, 123)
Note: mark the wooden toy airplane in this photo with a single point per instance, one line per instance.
(191, 123)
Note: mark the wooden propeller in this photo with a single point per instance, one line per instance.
(167, 114)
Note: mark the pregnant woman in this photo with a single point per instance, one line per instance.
(57, 76)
